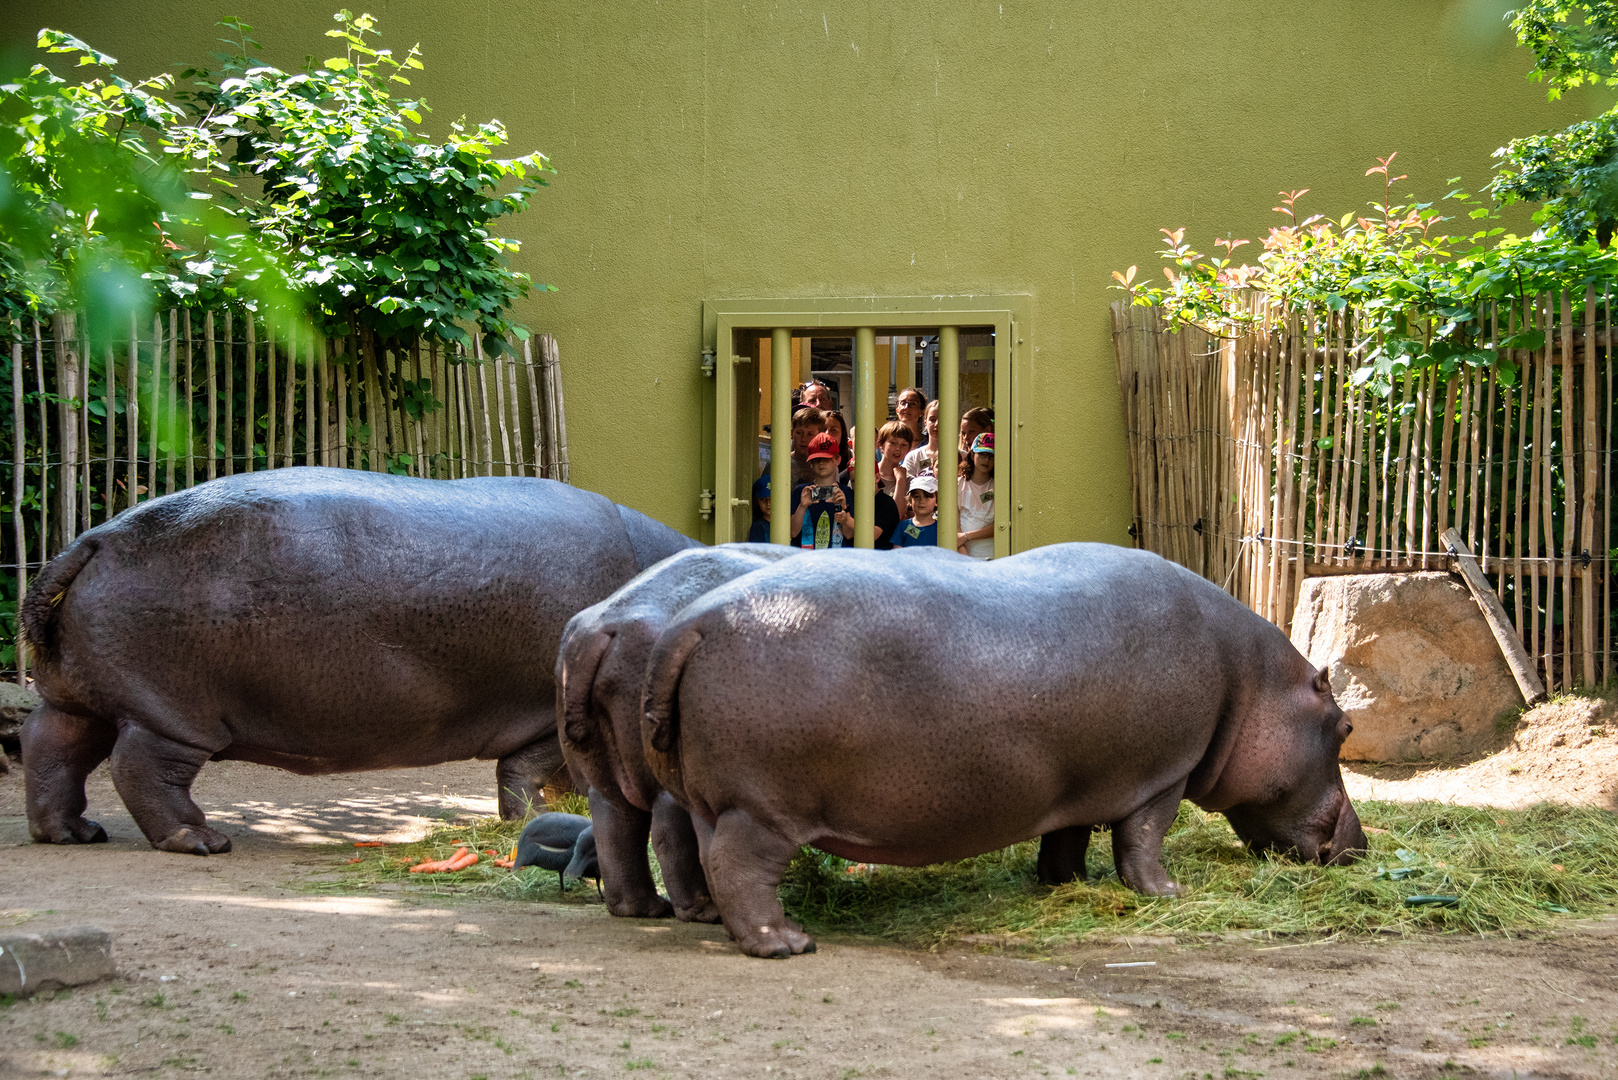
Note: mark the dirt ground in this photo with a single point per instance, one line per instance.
(230, 966)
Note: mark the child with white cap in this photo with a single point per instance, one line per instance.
(920, 529)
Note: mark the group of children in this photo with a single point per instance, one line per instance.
(906, 509)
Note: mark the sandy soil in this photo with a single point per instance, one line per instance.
(230, 966)
(1563, 751)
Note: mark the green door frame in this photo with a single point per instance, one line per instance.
(1008, 315)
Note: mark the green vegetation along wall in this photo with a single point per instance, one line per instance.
(711, 149)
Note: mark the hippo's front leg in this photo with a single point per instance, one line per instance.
(621, 836)
(1061, 855)
(745, 864)
(521, 776)
(153, 776)
(674, 838)
(1137, 843)
(59, 750)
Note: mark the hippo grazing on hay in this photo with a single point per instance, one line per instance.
(599, 671)
(318, 620)
(851, 700)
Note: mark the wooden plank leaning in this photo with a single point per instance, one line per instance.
(1511, 646)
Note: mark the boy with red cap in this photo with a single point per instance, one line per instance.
(820, 517)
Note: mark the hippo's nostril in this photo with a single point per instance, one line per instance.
(1348, 730)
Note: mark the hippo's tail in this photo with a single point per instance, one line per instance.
(40, 606)
(660, 707)
(575, 676)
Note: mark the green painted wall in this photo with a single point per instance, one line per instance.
(729, 149)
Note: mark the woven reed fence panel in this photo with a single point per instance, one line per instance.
(1256, 462)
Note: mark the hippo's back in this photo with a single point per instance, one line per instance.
(346, 619)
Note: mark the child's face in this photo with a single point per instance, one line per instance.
(983, 464)
(823, 471)
(764, 508)
(970, 431)
(923, 503)
(802, 434)
(895, 449)
(931, 422)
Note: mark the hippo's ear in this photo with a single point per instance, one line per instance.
(1322, 682)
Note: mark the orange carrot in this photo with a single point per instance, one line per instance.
(368, 843)
(351, 861)
(437, 867)
(462, 861)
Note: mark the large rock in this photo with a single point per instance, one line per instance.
(16, 703)
(1413, 663)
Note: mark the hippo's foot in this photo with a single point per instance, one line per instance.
(195, 840)
(775, 942)
(1137, 843)
(705, 912)
(59, 751)
(745, 863)
(72, 831)
(651, 907)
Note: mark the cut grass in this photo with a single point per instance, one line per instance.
(1512, 870)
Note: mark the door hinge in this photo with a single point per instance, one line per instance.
(734, 503)
(708, 362)
(705, 503)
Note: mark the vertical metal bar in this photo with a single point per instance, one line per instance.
(725, 435)
(1008, 439)
(781, 436)
(19, 445)
(949, 435)
(865, 437)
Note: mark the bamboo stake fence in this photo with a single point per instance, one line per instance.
(1257, 463)
(98, 425)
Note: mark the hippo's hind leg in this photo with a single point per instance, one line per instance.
(626, 878)
(522, 775)
(1061, 855)
(745, 864)
(153, 775)
(675, 841)
(58, 751)
(1137, 843)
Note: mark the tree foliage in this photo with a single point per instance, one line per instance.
(315, 190)
(370, 219)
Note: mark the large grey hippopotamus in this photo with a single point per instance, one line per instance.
(318, 620)
(600, 669)
(853, 700)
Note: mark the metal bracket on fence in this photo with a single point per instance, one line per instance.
(1197, 528)
(1351, 546)
(1584, 560)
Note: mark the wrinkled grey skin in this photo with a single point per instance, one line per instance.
(564, 843)
(847, 701)
(599, 672)
(318, 620)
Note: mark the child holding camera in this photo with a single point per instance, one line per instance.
(820, 517)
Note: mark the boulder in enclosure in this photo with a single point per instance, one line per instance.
(16, 702)
(1412, 661)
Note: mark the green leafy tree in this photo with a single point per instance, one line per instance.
(369, 218)
(1572, 172)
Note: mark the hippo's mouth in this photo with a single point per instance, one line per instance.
(1331, 836)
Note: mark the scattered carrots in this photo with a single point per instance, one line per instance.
(462, 859)
(351, 861)
(369, 843)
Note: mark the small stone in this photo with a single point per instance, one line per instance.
(54, 959)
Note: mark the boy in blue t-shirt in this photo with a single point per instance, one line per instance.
(820, 517)
(921, 529)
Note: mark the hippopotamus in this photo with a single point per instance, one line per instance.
(565, 843)
(852, 700)
(599, 671)
(318, 620)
